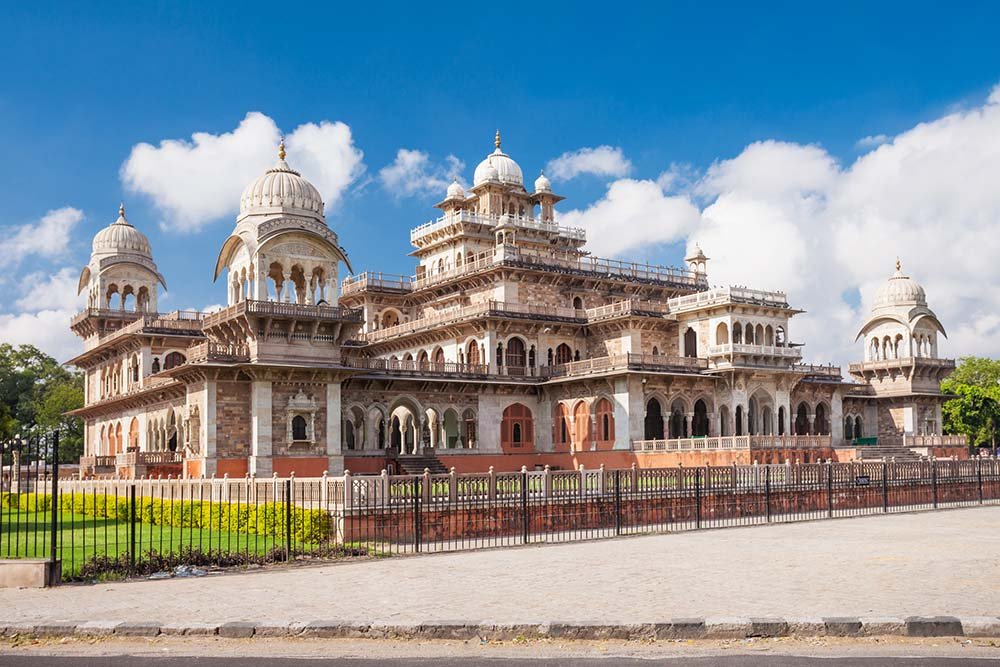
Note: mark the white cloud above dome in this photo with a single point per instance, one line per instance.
(198, 181)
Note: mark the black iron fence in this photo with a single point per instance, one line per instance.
(124, 527)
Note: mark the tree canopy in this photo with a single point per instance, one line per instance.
(36, 391)
(974, 409)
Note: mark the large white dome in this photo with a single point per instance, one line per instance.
(900, 290)
(498, 166)
(120, 237)
(281, 188)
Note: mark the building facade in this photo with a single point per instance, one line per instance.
(510, 346)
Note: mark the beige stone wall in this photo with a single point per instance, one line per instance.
(232, 419)
(664, 340)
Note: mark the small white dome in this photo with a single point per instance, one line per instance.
(900, 290)
(543, 184)
(282, 187)
(120, 237)
(456, 191)
(498, 166)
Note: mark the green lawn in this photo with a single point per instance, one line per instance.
(27, 535)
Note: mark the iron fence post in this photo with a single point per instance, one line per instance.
(288, 520)
(697, 498)
(767, 491)
(416, 514)
(934, 489)
(885, 487)
(618, 502)
(53, 553)
(131, 526)
(524, 505)
(829, 489)
(979, 477)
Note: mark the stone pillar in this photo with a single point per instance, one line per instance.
(260, 463)
(286, 287)
(688, 424)
(812, 423)
(629, 411)
(334, 439)
(208, 429)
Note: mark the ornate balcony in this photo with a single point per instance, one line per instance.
(726, 295)
(734, 442)
(209, 352)
(523, 222)
(280, 309)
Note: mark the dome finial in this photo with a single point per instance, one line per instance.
(496, 139)
(121, 210)
(281, 149)
(899, 265)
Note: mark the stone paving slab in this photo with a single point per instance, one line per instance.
(881, 575)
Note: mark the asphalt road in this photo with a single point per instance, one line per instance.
(707, 661)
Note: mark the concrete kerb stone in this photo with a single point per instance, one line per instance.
(875, 626)
(54, 629)
(236, 630)
(805, 627)
(727, 628)
(190, 629)
(138, 629)
(97, 628)
(842, 626)
(934, 626)
(981, 626)
(680, 628)
(768, 627)
(487, 630)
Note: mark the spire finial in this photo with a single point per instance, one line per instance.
(899, 265)
(121, 210)
(281, 149)
(496, 139)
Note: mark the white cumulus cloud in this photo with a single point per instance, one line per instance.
(46, 237)
(871, 141)
(792, 217)
(632, 214)
(42, 314)
(599, 161)
(413, 173)
(195, 182)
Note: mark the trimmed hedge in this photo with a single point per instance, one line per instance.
(308, 525)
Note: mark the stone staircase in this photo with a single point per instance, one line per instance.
(889, 452)
(415, 465)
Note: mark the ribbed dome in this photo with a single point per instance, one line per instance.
(498, 167)
(121, 237)
(281, 187)
(543, 184)
(900, 290)
(456, 191)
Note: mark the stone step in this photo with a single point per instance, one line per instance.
(415, 465)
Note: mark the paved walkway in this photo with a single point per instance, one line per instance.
(932, 563)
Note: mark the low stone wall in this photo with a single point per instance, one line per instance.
(681, 509)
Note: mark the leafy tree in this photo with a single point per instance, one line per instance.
(35, 390)
(974, 409)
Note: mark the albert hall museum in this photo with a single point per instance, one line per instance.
(510, 346)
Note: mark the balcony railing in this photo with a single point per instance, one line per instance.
(755, 350)
(730, 442)
(924, 440)
(524, 222)
(723, 295)
(147, 458)
(210, 351)
(902, 362)
(97, 461)
(818, 370)
(283, 309)
(625, 308)
(375, 280)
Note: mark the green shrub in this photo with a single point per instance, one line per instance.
(308, 525)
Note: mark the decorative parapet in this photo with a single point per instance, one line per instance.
(731, 442)
(523, 222)
(726, 295)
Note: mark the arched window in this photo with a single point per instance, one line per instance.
(515, 354)
(605, 424)
(439, 356)
(469, 428)
(858, 431)
(690, 343)
(564, 354)
(173, 360)
(517, 430)
(848, 428)
(550, 357)
(737, 334)
(299, 428)
(560, 428)
(758, 335)
(822, 424)
(156, 366)
(724, 428)
(699, 424)
(781, 420)
(656, 351)
(779, 336)
(653, 423)
(739, 418)
(748, 335)
(769, 336)
(802, 419)
(722, 334)
(577, 303)
(531, 357)
(472, 353)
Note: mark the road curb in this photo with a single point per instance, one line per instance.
(673, 629)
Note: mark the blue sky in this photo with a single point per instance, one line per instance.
(674, 88)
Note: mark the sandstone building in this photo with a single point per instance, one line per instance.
(510, 346)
